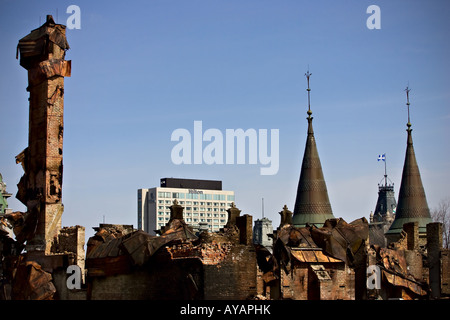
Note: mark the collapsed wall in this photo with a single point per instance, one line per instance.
(178, 264)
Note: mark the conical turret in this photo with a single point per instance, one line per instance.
(412, 202)
(311, 204)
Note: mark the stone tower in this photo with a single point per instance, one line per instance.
(384, 213)
(311, 204)
(412, 203)
(386, 204)
(42, 54)
(261, 231)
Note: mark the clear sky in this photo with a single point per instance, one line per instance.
(142, 69)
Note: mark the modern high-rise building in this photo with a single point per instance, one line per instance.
(204, 202)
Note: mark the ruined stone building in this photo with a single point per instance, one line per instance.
(311, 256)
(408, 250)
(40, 269)
(310, 263)
(178, 264)
(42, 54)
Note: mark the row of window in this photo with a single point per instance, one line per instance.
(202, 214)
(212, 227)
(195, 209)
(196, 203)
(200, 196)
(196, 220)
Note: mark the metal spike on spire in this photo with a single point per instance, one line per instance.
(407, 105)
(308, 74)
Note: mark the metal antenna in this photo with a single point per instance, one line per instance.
(407, 105)
(308, 74)
(263, 207)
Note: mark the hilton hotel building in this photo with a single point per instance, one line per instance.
(204, 202)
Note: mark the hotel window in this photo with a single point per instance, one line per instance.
(230, 198)
(178, 195)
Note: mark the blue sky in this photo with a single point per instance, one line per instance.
(141, 69)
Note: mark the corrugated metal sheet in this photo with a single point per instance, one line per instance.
(313, 256)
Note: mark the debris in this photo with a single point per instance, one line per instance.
(32, 283)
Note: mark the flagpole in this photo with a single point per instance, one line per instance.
(385, 172)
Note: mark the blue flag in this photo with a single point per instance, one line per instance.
(382, 157)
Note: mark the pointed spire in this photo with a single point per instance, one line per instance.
(412, 202)
(311, 204)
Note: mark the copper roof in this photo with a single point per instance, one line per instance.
(412, 202)
(312, 204)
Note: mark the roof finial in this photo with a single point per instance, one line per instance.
(407, 105)
(308, 74)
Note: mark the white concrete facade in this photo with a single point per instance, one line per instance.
(200, 205)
